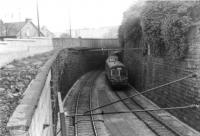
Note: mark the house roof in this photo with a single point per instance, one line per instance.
(14, 28)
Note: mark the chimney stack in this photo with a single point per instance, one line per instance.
(28, 20)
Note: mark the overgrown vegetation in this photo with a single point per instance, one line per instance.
(164, 24)
(130, 30)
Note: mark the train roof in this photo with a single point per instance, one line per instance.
(115, 52)
(114, 64)
(112, 58)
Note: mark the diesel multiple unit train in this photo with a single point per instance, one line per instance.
(116, 72)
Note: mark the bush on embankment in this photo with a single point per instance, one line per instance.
(161, 24)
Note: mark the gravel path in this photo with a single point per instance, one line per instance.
(14, 79)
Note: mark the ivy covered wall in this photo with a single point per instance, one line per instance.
(172, 31)
(161, 24)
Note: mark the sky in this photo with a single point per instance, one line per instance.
(56, 14)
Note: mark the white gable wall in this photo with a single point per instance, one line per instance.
(28, 31)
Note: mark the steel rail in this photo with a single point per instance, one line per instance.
(90, 105)
(156, 117)
(90, 79)
(143, 119)
(148, 90)
(76, 112)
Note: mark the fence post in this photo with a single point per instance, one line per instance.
(62, 116)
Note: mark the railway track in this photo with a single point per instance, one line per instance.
(81, 102)
(153, 123)
(83, 97)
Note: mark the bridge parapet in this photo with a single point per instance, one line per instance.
(33, 116)
(60, 43)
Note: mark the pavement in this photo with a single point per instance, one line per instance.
(14, 79)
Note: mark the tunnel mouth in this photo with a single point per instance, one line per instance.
(70, 65)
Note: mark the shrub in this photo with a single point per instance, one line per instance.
(164, 26)
(174, 30)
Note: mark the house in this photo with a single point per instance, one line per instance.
(24, 29)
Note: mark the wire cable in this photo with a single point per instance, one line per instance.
(109, 49)
(148, 90)
(134, 111)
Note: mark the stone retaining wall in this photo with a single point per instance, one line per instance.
(147, 71)
(69, 66)
(33, 116)
(41, 124)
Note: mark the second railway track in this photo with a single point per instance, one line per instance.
(152, 122)
(81, 102)
(89, 92)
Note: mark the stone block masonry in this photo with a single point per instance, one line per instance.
(33, 115)
(14, 79)
(147, 71)
(69, 66)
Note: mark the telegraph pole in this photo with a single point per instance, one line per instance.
(69, 19)
(20, 21)
(38, 19)
(70, 28)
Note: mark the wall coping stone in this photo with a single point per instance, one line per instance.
(22, 116)
(3, 42)
(24, 40)
(86, 38)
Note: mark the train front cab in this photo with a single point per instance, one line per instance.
(117, 76)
